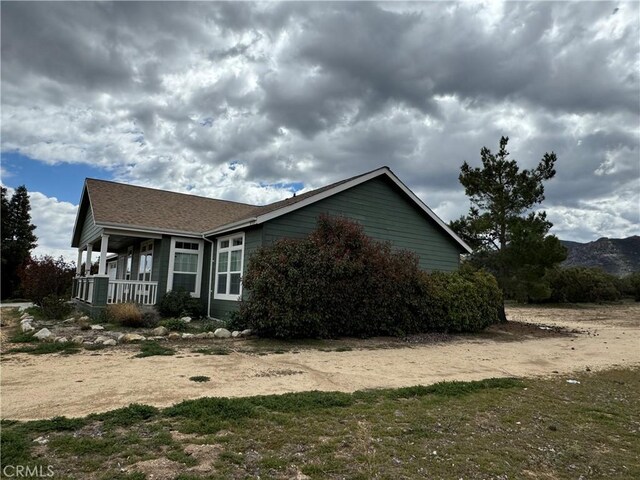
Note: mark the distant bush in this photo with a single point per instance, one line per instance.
(580, 284)
(45, 276)
(125, 314)
(629, 286)
(340, 282)
(55, 308)
(180, 303)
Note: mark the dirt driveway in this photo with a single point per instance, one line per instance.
(35, 387)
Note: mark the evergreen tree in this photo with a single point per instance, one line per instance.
(509, 239)
(18, 238)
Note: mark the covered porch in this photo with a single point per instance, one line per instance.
(125, 270)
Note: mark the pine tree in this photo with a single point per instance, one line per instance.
(509, 238)
(18, 238)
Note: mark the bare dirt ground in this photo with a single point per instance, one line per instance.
(552, 341)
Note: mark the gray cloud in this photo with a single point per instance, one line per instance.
(220, 98)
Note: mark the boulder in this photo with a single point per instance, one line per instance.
(84, 318)
(78, 339)
(27, 320)
(25, 315)
(69, 320)
(26, 327)
(132, 337)
(43, 334)
(246, 333)
(187, 335)
(235, 334)
(96, 327)
(110, 343)
(61, 340)
(222, 333)
(174, 336)
(160, 331)
(201, 335)
(186, 319)
(101, 339)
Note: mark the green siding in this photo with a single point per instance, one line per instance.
(386, 215)
(252, 241)
(89, 229)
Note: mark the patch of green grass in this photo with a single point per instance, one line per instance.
(125, 416)
(199, 378)
(23, 337)
(124, 476)
(15, 447)
(149, 349)
(483, 429)
(44, 348)
(175, 325)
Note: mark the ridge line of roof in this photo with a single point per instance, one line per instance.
(170, 191)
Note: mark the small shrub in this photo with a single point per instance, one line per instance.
(150, 349)
(175, 325)
(199, 378)
(125, 314)
(150, 319)
(180, 303)
(126, 416)
(55, 308)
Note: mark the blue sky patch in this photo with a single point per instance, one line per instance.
(63, 181)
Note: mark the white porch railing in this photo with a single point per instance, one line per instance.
(85, 289)
(136, 291)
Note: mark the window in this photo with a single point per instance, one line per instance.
(146, 261)
(127, 274)
(185, 265)
(229, 267)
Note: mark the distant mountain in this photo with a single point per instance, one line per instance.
(618, 256)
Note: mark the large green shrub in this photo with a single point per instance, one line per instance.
(178, 303)
(54, 307)
(340, 282)
(629, 286)
(462, 302)
(580, 284)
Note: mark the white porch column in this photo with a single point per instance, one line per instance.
(87, 265)
(104, 248)
(79, 264)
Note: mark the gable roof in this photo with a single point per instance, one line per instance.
(120, 205)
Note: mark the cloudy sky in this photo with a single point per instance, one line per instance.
(251, 101)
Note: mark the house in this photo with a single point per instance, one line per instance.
(152, 241)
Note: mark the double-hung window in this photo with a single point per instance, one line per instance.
(185, 265)
(230, 256)
(146, 261)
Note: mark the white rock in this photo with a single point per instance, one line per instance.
(201, 335)
(61, 340)
(78, 339)
(132, 337)
(235, 334)
(120, 336)
(41, 440)
(27, 320)
(101, 339)
(160, 331)
(222, 333)
(174, 336)
(110, 343)
(69, 320)
(43, 334)
(187, 335)
(186, 319)
(97, 327)
(25, 315)
(246, 333)
(27, 327)
(84, 318)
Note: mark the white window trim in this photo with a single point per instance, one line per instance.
(214, 266)
(172, 254)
